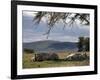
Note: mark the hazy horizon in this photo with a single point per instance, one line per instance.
(51, 40)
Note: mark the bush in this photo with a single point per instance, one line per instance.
(28, 50)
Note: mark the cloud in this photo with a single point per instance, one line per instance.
(29, 13)
(64, 38)
(32, 32)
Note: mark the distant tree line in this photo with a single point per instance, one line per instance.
(28, 50)
(83, 44)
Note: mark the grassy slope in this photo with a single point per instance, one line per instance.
(27, 63)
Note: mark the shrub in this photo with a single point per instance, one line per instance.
(28, 50)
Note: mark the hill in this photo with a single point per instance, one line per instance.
(49, 45)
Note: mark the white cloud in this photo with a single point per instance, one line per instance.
(64, 38)
(29, 13)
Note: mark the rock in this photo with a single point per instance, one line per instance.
(33, 58)
(77, 57)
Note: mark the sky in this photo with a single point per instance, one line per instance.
(32, 32)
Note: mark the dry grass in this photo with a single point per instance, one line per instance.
(28, 63)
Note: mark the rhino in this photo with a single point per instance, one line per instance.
(45, 56)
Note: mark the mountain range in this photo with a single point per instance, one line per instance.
(50, 45)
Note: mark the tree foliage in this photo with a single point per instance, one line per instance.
(83, 44)
(87, 44)
(80, 43)
(66, 18)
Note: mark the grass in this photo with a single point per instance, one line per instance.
(28, 63)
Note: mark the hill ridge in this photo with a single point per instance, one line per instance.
(50, 45)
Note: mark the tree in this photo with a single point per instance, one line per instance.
(87, 44)
(66, 18)
(81, 44)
